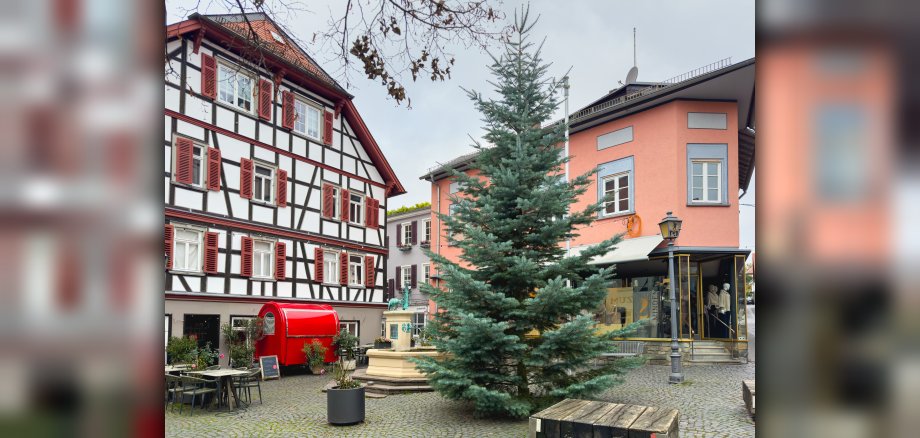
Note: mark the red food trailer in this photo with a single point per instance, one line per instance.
(287, 327)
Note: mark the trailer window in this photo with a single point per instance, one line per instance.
(268, 325)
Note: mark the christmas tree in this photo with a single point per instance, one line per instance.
(516, 314)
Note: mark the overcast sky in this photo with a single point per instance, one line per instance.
(594, 38)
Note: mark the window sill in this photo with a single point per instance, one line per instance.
(235, 108)
(356, 224)
(189, 186)
(709, 204)
(404, 248)
(264, 204)
(616, 215)
(306, 136)
(271, 280)
(192, 273)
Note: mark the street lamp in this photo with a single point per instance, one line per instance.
(670, 229)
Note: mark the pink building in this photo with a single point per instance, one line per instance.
(684, 145)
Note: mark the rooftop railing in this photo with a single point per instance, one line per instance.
(670, 82)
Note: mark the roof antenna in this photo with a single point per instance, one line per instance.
(634, 71)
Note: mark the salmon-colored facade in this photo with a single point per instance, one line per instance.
(644, 139)
(659, 149)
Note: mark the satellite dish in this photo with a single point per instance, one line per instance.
(632, 75)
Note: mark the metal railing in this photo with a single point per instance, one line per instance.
(667, 83)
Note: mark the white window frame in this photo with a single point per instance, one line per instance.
(356, 270)
(405, 277)
(256, 177)
(235, 71)
(200, 243)
(336, 202)
(270, 254)
(304, 118)
(348, 324)
(235, 329)
(406, 233)
(356, 207)
(616, 201)
(331, 274)
(417, 327)
(427, 230)
(705, 175)
(426, 272)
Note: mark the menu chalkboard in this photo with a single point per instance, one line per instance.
(270, 368)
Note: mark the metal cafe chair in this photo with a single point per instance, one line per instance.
(249, 381)
(198, 387)
(174, 389)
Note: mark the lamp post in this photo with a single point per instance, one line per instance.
(670, 229)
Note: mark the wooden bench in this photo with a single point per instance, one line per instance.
(626, 349)
(596, 419)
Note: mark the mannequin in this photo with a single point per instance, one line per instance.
(712, 297)
(725, 299)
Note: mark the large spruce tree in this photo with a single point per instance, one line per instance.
(516, 315)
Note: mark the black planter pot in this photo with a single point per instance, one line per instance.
(382, 345)
(345, 406)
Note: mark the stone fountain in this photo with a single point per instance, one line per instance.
(389, 370)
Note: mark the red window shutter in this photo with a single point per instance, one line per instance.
(168, 245)
(369, 271)
(214, 169)
(265, 99)
(345, 204)
(210, 252)
(287, 110)
(184, 160)
(343, 268)
(208, 76)
(399, 284)
(399, 241)
(318, 265)
(414, 232)
(246, 178)
(391, 286)
(282, 188)
(327, 128)
(280, 260)
(414, 276)
(246, 257)
(328, 201)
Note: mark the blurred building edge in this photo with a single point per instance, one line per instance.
(687, 145)
(831, 329)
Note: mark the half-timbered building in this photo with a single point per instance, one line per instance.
(275, 189)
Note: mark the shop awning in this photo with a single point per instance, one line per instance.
(629, 250)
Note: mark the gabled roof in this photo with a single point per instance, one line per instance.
(459, 164)
(232, 30)
(286, 49)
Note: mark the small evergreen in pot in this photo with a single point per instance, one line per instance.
(381, 342)
(344, 401)
(345, 345)
(315, 353)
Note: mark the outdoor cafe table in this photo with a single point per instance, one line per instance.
(224, 376)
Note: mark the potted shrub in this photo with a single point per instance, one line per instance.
(345, 400)
(181, 350)
(315, 353)
(345, 345)
(381, 342)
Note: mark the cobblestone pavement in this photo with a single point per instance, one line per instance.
(709, 402)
